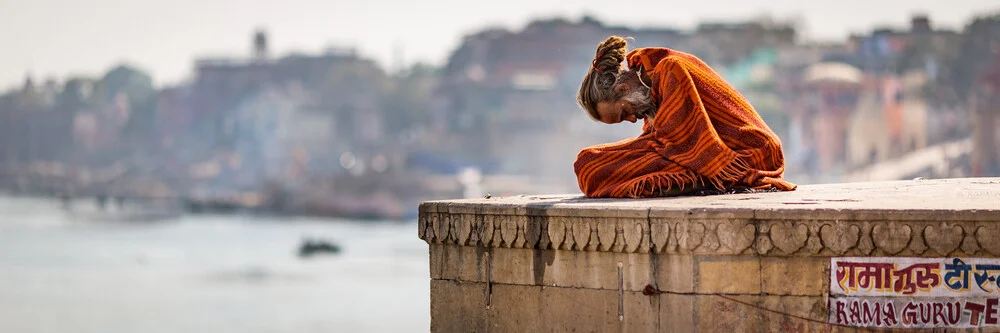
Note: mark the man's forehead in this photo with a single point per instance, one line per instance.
(605, 111)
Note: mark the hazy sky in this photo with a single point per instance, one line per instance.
(50, 38)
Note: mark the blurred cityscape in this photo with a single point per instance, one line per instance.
(334, 134)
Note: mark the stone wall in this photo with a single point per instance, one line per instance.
(747, 262)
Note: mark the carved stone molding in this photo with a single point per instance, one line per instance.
(718, 236)
(736, 235)
(839, 237)
(926, 218)
(891, 237)
(660, 233)
(943, 238)
(989, 238)
(563, 233)
(789, 237)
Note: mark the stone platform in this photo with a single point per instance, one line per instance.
(728, 263)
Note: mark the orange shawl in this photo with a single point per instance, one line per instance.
(704, 132)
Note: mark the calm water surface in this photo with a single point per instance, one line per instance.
(80, 271)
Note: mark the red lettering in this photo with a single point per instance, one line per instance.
(871, 314)
(841, 315)
(916, 277)
(991, 311)
(855, 312)
(866, 275)
(843, 271)
(954, 313)
(925, 313)
(976, 309)
(939, 313)
(877, 277)
(927, 277)
(846, 276)
(889, 314)
(910, 314)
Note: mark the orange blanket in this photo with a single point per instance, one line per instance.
(703, 134)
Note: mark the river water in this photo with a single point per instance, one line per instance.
(78, 271)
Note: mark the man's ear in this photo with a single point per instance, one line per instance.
(621, 89)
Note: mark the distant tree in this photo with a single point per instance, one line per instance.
(126, 79)
(137, 86)
(75, 95)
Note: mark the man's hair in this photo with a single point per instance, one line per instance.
(598, 85)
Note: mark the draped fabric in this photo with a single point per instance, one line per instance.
(704, 135)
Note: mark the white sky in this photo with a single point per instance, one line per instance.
(50, 38)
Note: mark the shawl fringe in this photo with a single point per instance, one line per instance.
(657, 183)
(731, 173)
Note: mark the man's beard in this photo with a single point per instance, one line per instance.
(639, 97)
(642, 102)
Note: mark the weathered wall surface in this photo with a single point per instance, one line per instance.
(743, 263)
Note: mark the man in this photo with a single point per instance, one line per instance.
(698, 132)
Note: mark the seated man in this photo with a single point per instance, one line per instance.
(698, 132)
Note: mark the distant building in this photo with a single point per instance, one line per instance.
(335, 80)
(819, 117)
(30, 129)
(722, 44)
(102, 127)
(985, 105)
(260, 47)
(891, 119)
(174, 114)
(888, 50)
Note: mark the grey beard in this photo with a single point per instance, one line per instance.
(642, 100)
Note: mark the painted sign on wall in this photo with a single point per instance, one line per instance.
(914, 292)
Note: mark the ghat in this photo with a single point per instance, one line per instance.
(727, 263)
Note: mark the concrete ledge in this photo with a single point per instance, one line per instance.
(958, 216)
(566, 263)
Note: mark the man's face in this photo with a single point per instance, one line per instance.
(633, 102)
(616, 111)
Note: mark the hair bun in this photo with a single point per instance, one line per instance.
(610, 54)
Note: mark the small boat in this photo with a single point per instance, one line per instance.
(312, 247)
